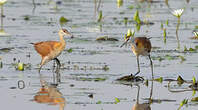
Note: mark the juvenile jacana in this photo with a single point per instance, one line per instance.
(140, 46)
(50, 50)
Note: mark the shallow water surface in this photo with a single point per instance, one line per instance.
(88, 73)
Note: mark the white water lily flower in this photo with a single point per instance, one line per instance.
(196, 34)
(2, 2)
(178, 12)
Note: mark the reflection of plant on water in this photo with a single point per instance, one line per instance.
(191, 86)
(49, 94)
(2, 32)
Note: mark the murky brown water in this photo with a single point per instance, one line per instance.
(78, 85)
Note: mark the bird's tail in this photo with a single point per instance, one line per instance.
(32, 43)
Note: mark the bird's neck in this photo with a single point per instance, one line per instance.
(62, 41)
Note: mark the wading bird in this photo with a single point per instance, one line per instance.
(50, 50)
(140, 46)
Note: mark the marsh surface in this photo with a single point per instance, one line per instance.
(87, 83)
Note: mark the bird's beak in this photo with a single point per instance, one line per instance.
(124, 42)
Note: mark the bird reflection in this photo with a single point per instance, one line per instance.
(49, 94)
(143, 106)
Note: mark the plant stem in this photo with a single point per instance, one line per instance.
(2, 17)
(177, 28)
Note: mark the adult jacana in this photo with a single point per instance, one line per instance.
(50, 50)
(140, 46)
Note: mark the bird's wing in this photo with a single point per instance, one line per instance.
(44, 48)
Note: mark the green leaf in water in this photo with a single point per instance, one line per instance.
(146, 82)
(194, 80)
(63, 20)
(1, 64)
(194, 92)
(167, 22)
(162, 26)
(164, 35)
(185, 48)
(117, 100)
(99, 102)
(180, 80)
(160, 79)
(125, 20)
(70, 50)
(136, 17)
(26, 18)
(195, 99)
(119, 3)
(100, 16)
(131, 7)
(20, 66)
(182, 58)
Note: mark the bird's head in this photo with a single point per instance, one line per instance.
(65, 32)
(126, 39)
(128, 36)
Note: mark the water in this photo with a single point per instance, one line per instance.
(78, 84)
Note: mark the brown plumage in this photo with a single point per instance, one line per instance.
(50, 50)
(141, 46)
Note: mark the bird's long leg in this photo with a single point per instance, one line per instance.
(40, 66)
(151, 63)
(53, 66)
(57, 69)
(137, 57)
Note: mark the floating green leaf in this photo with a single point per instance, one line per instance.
(99, 102)
(195, 99)
(180, 80)
(63, 20)
(70, 50)
(26, 18)
(130, 7)
(20, 66)
(160, 79)
(146, 82)
(117, 100)
(182, 58)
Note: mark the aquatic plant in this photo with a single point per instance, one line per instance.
(178, 14)
(100, 17)
(2, 32)
(2, 2)
(164, 34)
(63, 20)
(196, 34)
(20, 66)
(136, 17)
(119, 3)
(184, 102)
